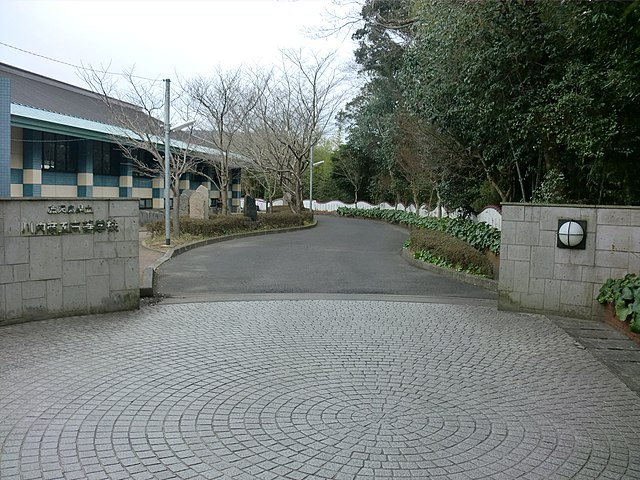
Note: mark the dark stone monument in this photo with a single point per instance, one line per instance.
(250, 209)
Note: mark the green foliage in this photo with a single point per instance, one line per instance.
(350, 170)
(485, 196)
(284, 219)
(624, 294)
(523, 88)
(442, 249)
(479, 235)
(217, 226)
(552, 188)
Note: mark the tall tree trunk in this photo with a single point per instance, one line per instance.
(430, 199)
(490, 179)
(521, 181)
(224, 191)
(414, 191)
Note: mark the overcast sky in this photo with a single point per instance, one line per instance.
(162, 38)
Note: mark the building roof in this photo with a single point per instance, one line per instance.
(30, 117)
(51, 105)
(43, 93)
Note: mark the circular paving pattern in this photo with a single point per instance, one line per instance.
(310, 389)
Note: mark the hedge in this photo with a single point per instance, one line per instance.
(441, 248)
(479, 235)
(221, 225)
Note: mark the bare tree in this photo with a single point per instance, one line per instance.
(265, 159)
(225, 101)
(348, 165)
(299, 103)
(134, 112)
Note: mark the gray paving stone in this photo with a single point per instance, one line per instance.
(313, 389)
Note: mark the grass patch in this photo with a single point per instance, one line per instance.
(157, 241)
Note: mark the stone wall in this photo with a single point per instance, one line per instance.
(538, 276)
(62, 257)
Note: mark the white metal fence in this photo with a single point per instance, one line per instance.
(490, 214)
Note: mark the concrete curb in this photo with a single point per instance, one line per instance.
(148, 276)
(487, 283)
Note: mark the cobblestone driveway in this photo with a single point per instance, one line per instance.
(310, 389)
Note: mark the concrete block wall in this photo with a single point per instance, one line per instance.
(537, 276)
(51, 275)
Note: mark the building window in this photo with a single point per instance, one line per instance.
(146, 203)
(59, 153)
(145, 164)
(106, 159)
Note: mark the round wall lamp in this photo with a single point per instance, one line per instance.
(572, 234)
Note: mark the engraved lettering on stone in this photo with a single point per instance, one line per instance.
(112, 225)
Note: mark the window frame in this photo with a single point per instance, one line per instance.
(59, 153)
(107, 158)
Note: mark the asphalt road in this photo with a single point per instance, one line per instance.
(339, 256)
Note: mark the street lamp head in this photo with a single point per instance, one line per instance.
(182, 126)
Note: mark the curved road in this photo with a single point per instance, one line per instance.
(340, 255)
(317, 388)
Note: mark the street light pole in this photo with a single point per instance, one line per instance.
(311, 180)
(167, 163)
(167, 160)
(311, 165)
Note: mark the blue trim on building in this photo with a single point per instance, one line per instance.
(158, 193)
(142, 182)
(126, 169)
(5, 137)
(32, 149)
(106, 181)
(17, 175)
(59, 178)
(85, 191)
(85, 157)
(125, 192)
(30, 190)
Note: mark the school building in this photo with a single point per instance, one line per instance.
(57, 140)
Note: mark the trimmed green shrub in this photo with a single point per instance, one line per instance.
(229, 224)
(217, 226)
(479, 235)
(284, 219)
(442, 249)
